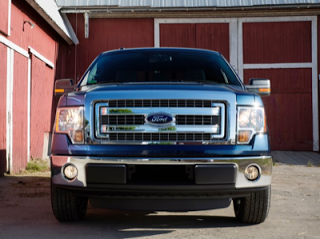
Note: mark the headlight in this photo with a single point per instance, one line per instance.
(70, 121)
(251, 120)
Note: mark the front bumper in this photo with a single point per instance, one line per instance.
(211, 174)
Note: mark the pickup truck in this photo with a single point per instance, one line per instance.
(161, 129)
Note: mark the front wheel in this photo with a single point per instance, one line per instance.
(66, 206)
(253, 208)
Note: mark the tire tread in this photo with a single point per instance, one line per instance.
(253, 208)
(67, 207)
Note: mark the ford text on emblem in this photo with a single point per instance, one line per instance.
(159, 119)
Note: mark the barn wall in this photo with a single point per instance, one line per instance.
(41, 37)
(178, 35)
(3, 100)
(277, 42)
(41, 104)
(108, 34)
(318, 72)
(212, 36)
(104, 35)
(19, 113)
(44, 40)
(289, 108)
(4, 13)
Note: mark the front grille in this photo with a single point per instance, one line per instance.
(161, 103)
(165, 137)
(197, 120)
(123, 119)
(149, 121)
(140, 120)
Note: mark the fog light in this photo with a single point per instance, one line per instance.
(70, 171)
(252, 172)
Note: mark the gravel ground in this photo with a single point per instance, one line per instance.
(25, 212)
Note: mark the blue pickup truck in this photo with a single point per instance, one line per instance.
(161, 129)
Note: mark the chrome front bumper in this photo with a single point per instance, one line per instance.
(264, 163)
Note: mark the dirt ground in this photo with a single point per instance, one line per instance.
(25, 212)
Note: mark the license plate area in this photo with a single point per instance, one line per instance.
(155, 174)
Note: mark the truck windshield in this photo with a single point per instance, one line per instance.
(160, 66)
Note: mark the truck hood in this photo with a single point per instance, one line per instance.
(159, 86)
(166, 89)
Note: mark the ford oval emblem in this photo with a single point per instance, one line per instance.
(160, 119)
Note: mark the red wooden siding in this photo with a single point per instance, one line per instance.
(178, 35)
(42, 38)
(212, 36)
(289, 108)
(45, 41)
(277, 42)
(105, 35)
(41, 104)
(19, 113)
(3, 110)
(318, 43)
(4, 7)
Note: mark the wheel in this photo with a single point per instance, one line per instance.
(67, 207)
(253, 208)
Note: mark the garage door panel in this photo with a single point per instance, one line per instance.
(277, 42)
(19, 112)
(284, 80)
(288, 109)
(178, 35)
(116, 33)
(41, 105)
(289, 124)
(213, 36)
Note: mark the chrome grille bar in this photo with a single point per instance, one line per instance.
(163, 137)
(140, 120)
(161, 103)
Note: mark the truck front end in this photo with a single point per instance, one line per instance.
(163, 130)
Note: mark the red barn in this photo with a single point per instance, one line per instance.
(30, 37)
(39, 43)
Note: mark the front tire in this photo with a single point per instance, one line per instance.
(253, 208)
(66, 206)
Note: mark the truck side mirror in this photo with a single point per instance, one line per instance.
(63, 86)
(261, 87)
